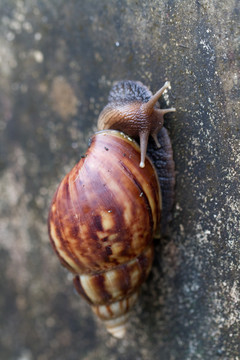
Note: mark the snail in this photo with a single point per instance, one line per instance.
(107, 209)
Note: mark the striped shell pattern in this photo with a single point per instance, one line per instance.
(101, 224)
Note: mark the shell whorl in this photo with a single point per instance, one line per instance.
(133, 109)
(112, 293)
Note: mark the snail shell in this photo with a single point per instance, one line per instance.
(107, 209)
(102, 221)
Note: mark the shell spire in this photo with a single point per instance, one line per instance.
(133, 109)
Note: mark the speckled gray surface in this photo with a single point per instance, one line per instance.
(58, 60)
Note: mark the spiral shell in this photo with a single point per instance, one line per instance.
(102, 220)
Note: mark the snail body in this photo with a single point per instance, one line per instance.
(134, 110)
(104, 216)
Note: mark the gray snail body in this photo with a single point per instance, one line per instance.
(107, 209)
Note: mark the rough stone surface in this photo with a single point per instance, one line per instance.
(58, 60)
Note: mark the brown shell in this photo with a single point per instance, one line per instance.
(102, 220)
(105, 211)
(120, 281)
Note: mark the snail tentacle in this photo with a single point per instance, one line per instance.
(150, 104)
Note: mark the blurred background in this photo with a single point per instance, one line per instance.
(58, 60)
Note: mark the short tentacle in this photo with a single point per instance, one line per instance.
(165, 111)
(154, 136)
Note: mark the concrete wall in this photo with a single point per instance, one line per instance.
(58, 60)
